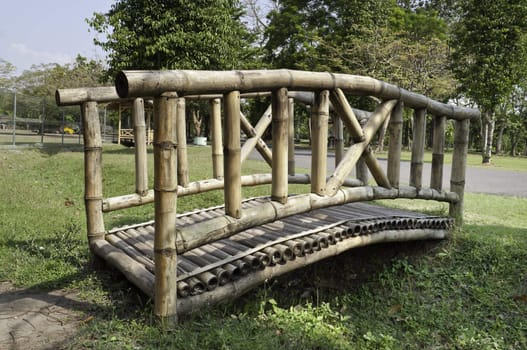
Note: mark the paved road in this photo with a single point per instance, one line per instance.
(478, 179)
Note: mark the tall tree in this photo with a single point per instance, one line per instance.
(489, 56)
(173, 34)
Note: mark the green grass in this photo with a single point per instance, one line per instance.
(469, 292)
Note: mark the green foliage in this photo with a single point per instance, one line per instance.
(375, 38)
(489, 50)
(173, 34)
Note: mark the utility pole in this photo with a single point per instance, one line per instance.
(14, 119)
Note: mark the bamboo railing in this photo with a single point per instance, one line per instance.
(325, 92)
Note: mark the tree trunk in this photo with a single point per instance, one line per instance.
(499, 141)
(487, 134)
(514, 143)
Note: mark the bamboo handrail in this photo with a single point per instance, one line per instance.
(153, 83)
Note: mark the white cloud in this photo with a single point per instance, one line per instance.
(37, 57)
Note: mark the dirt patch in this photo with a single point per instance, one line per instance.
(31, 319)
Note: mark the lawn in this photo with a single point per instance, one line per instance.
(469, 292)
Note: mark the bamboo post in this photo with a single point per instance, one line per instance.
(362, 170)
(148, 128)
(181, 137)
(93, 172)
(231, 150)
(319, 142)
(459, 162)
(339, 139)
(438, 146)
(165, 186)
(291, 138)
(119, 122)
(217, 152)
(394, 148)
(141, 166)
(280, 107)
(418, 148)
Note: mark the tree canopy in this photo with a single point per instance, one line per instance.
(173, 34)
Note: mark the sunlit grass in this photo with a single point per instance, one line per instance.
(468, 292)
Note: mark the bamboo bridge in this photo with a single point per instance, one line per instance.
(186, 261)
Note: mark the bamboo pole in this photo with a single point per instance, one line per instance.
(362, 170)
(418, 148)
(181, 137)
(149, 134)
(93, 172)
(165, 185)
(375, 168)
(438, 147)
(459, 163)
(232, 160)
(119, 122)
(355, 151)
(135, 272)
(217, 152)
(319, 142)
(280, 112)
(77, 96)
(395, 129)
(339, 139)
(141, 166)
(254, 136)
(291, 138)
(134, 200)
(153, 83)
(344, 110)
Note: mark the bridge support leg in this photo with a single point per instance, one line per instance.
(93, 172)
(459, 161)
(165, 186)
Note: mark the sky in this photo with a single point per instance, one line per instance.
(47, 31)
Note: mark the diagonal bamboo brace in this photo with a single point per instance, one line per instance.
(345, 112)
(375, 168)
(254, 135)
(355, 151)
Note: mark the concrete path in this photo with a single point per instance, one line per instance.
(478, 179)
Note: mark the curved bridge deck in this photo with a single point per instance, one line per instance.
(229, 267)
